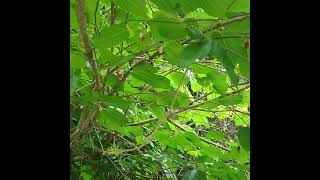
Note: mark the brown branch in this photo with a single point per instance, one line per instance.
(113, 13)
(80, 12)
(226, 22)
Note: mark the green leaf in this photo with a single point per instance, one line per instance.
(91, 7)
(77, 61)
(112, 119)
(194, 51)
(137, 7)
(244, 138)
(218, 81)
(142, 73)
(212, 151)
(167, 26)
(110, 36)
(115, 101)
(230, 100)
(172, 53)
(158, 112)
(163, 137)
(194, 175)
(239, 27)
(216, 8)
(73, 18)
(111, 81)
(177, 78)
(168, 5)
(240, 6)
(107, 56)
(123, 60)
(221, 54)
(165, 99)
(214, 134)
(192, 137)
(245, 69)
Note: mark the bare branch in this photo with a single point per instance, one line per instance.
(80, 12)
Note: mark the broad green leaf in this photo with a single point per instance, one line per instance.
(230, 71)
(107, 56)
(123, 60)
(91, 7)
(244, 138)
(77, 61)
(216, 8)
(199, 117)
(192, 137)
(194, 175)
(166, 98)
(214, 134)
(212, 151)
(196, 34)
(73, 18)
(178, 78)
(240, 6)
(239, 27)
(140, 139)
(115, 101)
(181, 141)
(168, 5)
(112, 119)
(245, 69)
(186, 6)
(220, 53)
(172, 53)
(239, 154)
(230, 100)
(111, 81)
(168, 26)
(194, 51)
(150, 78)
(137, 7)
(217, 79)
(163, 136)
(158, 112)
(110, 36)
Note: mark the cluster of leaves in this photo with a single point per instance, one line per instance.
(160, 89)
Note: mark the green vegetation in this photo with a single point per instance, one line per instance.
(160, 89)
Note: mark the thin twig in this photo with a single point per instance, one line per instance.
(171, 22)
(95, 17)
(222, 23)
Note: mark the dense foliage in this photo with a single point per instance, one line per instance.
(160, 89)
